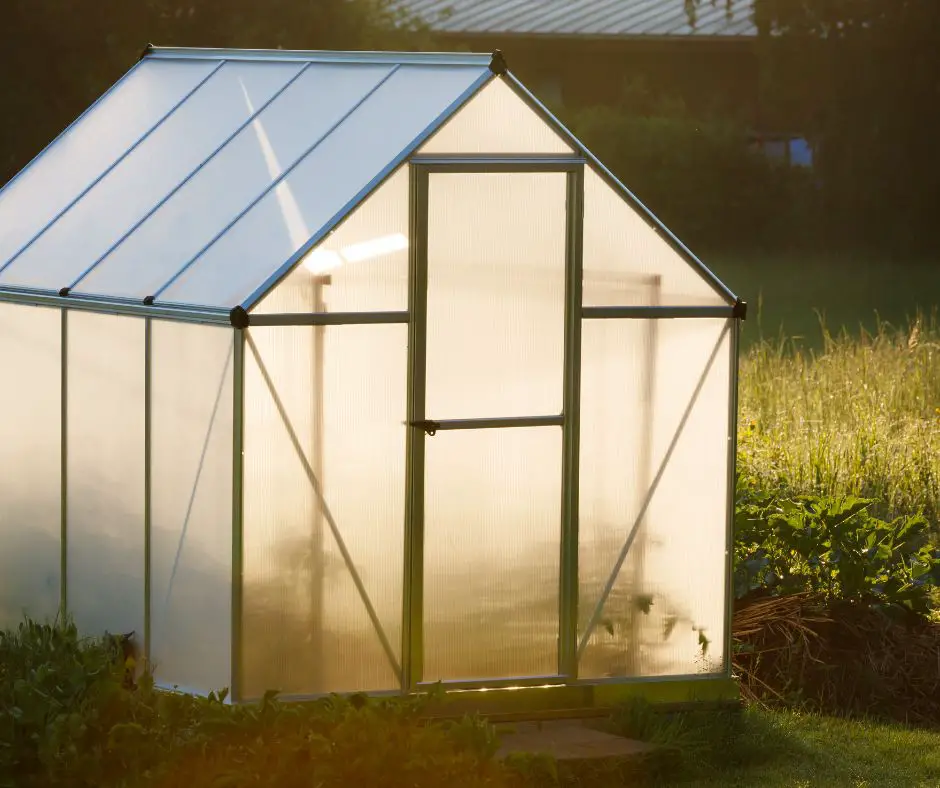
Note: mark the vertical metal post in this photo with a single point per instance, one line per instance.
(238, 461)
(413, 599)
(638, 557)
(148, 364)
(64, 466)
(318, 391)
(571, 439)
(732, 488)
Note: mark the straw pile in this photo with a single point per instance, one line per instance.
(838, 658)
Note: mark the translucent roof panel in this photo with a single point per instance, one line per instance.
(151, 172)
(496, 120)
(337, 168)
(628, 263)
(136, 197)
(209, 202)
(91, 146)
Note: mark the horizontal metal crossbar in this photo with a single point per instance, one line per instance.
(499, 164)
(327, 318)
(115, 306)
(431, 426)
(654, 312)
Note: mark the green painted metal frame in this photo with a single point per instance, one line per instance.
(64, 465)
(238, 464)
(148, 464)
(413, 599)
(734, 366)
(412, 619)
(571, 430)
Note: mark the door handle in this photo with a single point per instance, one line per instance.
(430, 427)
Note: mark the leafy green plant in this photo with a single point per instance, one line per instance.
(68, 717)
(835, 546)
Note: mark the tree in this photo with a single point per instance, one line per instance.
(863, 79)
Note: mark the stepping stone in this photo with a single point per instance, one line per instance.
(567, 740)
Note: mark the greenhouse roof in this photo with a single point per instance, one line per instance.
(202, 177)
(197, 178)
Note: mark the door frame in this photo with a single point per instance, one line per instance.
(420, 170)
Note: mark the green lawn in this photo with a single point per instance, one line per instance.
(791, 749)
(774, 748)
(786, 291)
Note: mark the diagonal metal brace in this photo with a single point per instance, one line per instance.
(599, 608)
(328, 515)
(192, 495)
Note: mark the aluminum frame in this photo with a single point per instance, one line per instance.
(318, 56)
(732, 488)
(114, 306)
(236, 679)
(571, 431)
(328, 319)
(420, 427)
(64, 465)
(654, 312)
(148, 467)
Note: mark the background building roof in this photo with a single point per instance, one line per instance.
(590, 18)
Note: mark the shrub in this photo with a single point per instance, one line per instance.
(67, 717)
(786, 545)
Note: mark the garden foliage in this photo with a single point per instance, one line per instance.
(833, 546)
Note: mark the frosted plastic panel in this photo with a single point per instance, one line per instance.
(626, 263)
(342, 389)
(30, 491)
(492, 529)
(362, 266)
(92, 145)
(322, 185)
(106, 473)
(496, 294)
(191, 505)
(261, 152)
(160, 163)
(638, 379)
(496, 120)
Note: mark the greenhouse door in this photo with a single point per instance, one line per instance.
(488, 437)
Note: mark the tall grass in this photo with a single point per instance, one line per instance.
(860, 416)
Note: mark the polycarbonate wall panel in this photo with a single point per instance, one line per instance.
(30, 451)
(496, 120)
(191, 505)
(496, 294)
(361, 267)
(324, 409)
(491, 560)
(627, 263)
(330, 177)
(105, 570)
(89, 147)
(638, 382)
(237, 175)
(159, 164)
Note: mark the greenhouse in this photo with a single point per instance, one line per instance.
(356, 372)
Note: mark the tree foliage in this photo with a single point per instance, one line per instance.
(862, 78)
